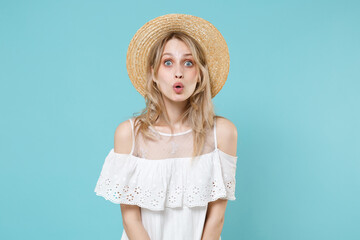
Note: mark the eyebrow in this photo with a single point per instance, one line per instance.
(186, 54)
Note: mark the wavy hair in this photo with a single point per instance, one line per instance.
(199, 111)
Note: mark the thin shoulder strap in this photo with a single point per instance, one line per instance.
(215, 142)
(133, 136)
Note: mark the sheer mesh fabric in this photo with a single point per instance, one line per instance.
(165, 146)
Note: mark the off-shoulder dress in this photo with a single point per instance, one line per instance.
(171, 189)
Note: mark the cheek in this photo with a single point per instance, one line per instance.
(193, 75)
(162, 79)
(163, 74)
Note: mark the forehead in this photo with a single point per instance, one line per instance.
(175, 45)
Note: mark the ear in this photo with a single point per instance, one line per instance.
(152, 73)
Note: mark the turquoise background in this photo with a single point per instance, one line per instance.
(292, 91)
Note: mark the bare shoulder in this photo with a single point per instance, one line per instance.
(226, 135)
(123, 138)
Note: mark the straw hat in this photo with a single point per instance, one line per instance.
(211, 40)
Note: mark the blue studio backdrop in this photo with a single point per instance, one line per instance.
(292, 92)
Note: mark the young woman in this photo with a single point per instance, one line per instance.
(172, 168)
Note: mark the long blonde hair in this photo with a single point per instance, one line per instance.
(199, 110)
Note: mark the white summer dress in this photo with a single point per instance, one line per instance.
(171, 189)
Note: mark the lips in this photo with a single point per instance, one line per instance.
(178, 87)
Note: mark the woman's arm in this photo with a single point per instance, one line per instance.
(131, 214)
(214, 220)
(132, 222)
(226, 133)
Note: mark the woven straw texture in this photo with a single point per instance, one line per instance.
(211, 40)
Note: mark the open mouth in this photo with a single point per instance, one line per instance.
(178, 87)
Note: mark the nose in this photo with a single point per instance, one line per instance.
(178, 75)
(178, 72)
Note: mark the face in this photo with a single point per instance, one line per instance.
(177, 68)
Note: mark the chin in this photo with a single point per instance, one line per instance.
(179, 98)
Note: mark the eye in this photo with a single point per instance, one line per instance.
(188, 64)
(167, 61)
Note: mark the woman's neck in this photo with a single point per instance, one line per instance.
(174, 111)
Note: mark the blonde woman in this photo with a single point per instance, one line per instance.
(172, 168)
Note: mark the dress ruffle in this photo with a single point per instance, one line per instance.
(172, 182)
